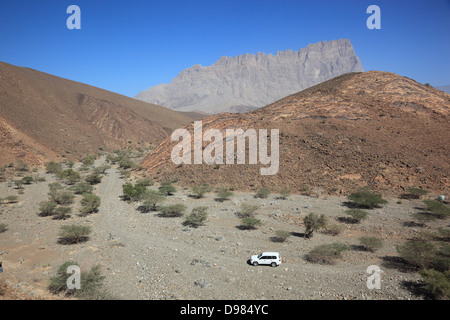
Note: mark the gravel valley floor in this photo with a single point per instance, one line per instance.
(145, 256)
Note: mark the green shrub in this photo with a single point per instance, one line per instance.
(11, 199)
(197, 217)
(262, 193)
(61, 213)
(417, 253)
(281, 236)
(364, 198)
(82, 187)
(18, 183)
(437, 208)
(313, 222)
(223, 194)
(54, 186)
(89, 203)
(198, 191)
(27, 180)
(101, 169)
(69, 176)
(62, 196)
(88, 160)
(414, 193)
(171, 211)
(357, 215)
(47, 208)
(71, 234)
(21, 166)
(283, 194)
(91, 282)
(333, 229)
(247, 210)
(126, 163)
(151, 199)
(437, 283)
(93, 178)
(326, 253)
(3, 227)
(371, 244)
(250, 223)
(145, 182)
(167, 188)
(133, 192)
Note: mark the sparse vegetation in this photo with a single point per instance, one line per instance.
(89, 203)
(437, 283)
(414, 193)
(91, 283)
(283, 194)
(198, 191)
(82, 187)
(281, 236)
(197, 217)
(72, 234)
(172, 211)
(3, 227)
(326, 253)
(437, 208)
(333, 229)
(151, 199)
(61, 213)
(364, 198)
(371, 244)
(247, 210)
(357, 215)
(223, 194)
(133, 192)
(417, 253)
(62, 196)
(314, 222)
(146, 182)
(88, 160)
(93, 178)
(167, 188)
(47, 208)
(69, 176)
(250, 223)
(262, 193)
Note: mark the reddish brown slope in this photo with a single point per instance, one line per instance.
(373, 128)
(43, 116)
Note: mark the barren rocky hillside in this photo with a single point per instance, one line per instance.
(372, 128)
(44, 117)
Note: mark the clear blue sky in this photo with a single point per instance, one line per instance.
(129, 46)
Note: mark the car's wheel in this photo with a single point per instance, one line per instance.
(255, 263)
(273, 264)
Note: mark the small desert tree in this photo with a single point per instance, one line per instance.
(357, 215)
(47, 208)
(371, 244)
(314, 222)
(417, 253)
(198, 191)
(197, 217)
(364, 198)
(437, 283)
(61, 213)
(223, 194)
(89, 203)
(326, 253)
(133, 192)
(250, 223)
(53, 167)
(171, 211)
(72, 234)
(262, 193)
(167, 188)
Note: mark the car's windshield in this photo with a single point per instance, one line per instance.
(259, 255)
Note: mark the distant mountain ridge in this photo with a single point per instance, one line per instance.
(249, 81)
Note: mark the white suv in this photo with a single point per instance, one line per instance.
(270, 258)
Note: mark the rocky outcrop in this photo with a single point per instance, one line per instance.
(249, 81)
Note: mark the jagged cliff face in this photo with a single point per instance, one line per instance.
(249, 81)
